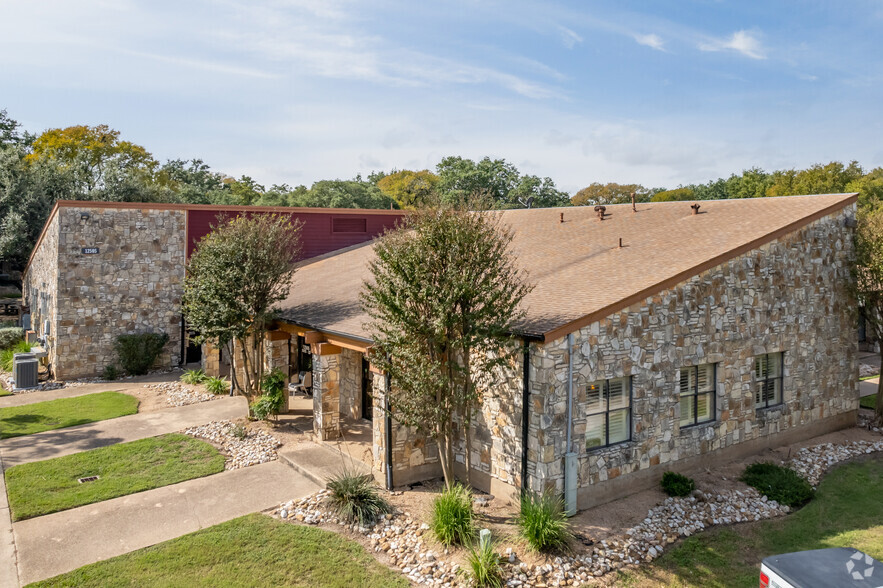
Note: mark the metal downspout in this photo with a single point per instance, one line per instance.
(570, 459)
(525, 413)
(387, 431)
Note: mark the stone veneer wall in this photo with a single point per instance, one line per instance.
(326, 396)
(133, 285)
(40, 287)
(785, 296)
(350, 383)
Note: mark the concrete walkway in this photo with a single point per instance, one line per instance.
(60, 442)
(8, 555)
(60, 542)
(320, 463)
(868, 387)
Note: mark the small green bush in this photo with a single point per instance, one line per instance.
(193, 377)
(355, 499)
(217, 385)
(137, 353)
(675, 484)
(452, 518)
(7, 355)
(778, 483)
(483, 566)
(9, 336)
(110, 372)
(542, 521)
(239, 431)
(272, 401)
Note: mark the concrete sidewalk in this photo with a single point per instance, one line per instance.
(320, 463)
(60, 442)
(71, 391)
(60, 542)
(868, 387)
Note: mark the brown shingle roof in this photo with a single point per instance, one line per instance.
(579, 272)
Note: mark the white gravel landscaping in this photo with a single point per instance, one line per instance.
(180, 394)
(254, 448)
(401, 537)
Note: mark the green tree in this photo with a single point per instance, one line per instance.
(409, 189)
(673, 195)
(461, 178)
(91, 154)
(611, 193)
(869, 188)
(753, 183)
(444, 297)
(830, 178)
(191, 182)
(867, 280)
(355, 193)
(238, 272)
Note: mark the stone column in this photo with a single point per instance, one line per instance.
(379, 425)
(326, 391)
(276, 357)
(211, 360)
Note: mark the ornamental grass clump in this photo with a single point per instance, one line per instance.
(216, 386)
(542, 521)
(483, 565)
(452, 518)
(778, 483)
(675, 484)
(7, 355)
(193, 377)
(355, 498)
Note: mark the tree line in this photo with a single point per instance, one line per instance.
(95, 163)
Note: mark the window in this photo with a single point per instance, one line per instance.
(698, 384)
(609, 412)
(767, 380)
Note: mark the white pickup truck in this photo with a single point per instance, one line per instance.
(838, 567)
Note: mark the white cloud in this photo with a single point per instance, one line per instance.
(744, 42)
(652, 41)
(569, 37)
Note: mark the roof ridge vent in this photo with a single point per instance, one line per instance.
(600, 210)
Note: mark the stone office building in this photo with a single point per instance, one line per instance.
(666, 337)
(102, 269)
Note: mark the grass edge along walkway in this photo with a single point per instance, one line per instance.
(846, 512)
(50, 415)
(43, 487)
(254, 550)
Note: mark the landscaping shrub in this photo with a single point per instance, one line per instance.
(452, 518)
(7, 355)
(273, 386)
(778, 483)
(677, 484)
(484, 566)
(355, 499)
(193, 377)
(110, 372)
(216, 385)
(9, 336)
(138, 353)
(542, 521)
(239, 431)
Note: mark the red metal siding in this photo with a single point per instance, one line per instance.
(317, 234)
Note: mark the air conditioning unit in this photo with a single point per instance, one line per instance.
(24, 370)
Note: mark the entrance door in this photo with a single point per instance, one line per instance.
(367, 389)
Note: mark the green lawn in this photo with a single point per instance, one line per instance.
(868, 402)
(847, 512)
(254, 550)
(42, 487)
(64, 412)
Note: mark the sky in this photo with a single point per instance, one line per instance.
(660, 93)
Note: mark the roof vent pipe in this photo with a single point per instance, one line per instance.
(561, 218)
(600, 210)
(634, 208)
(695, 208)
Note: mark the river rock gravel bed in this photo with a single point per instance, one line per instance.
(254, 447)
(400, 536)
(180, 394)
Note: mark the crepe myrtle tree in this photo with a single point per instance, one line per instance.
(867, 282)
(238, 272)
(444, 298)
